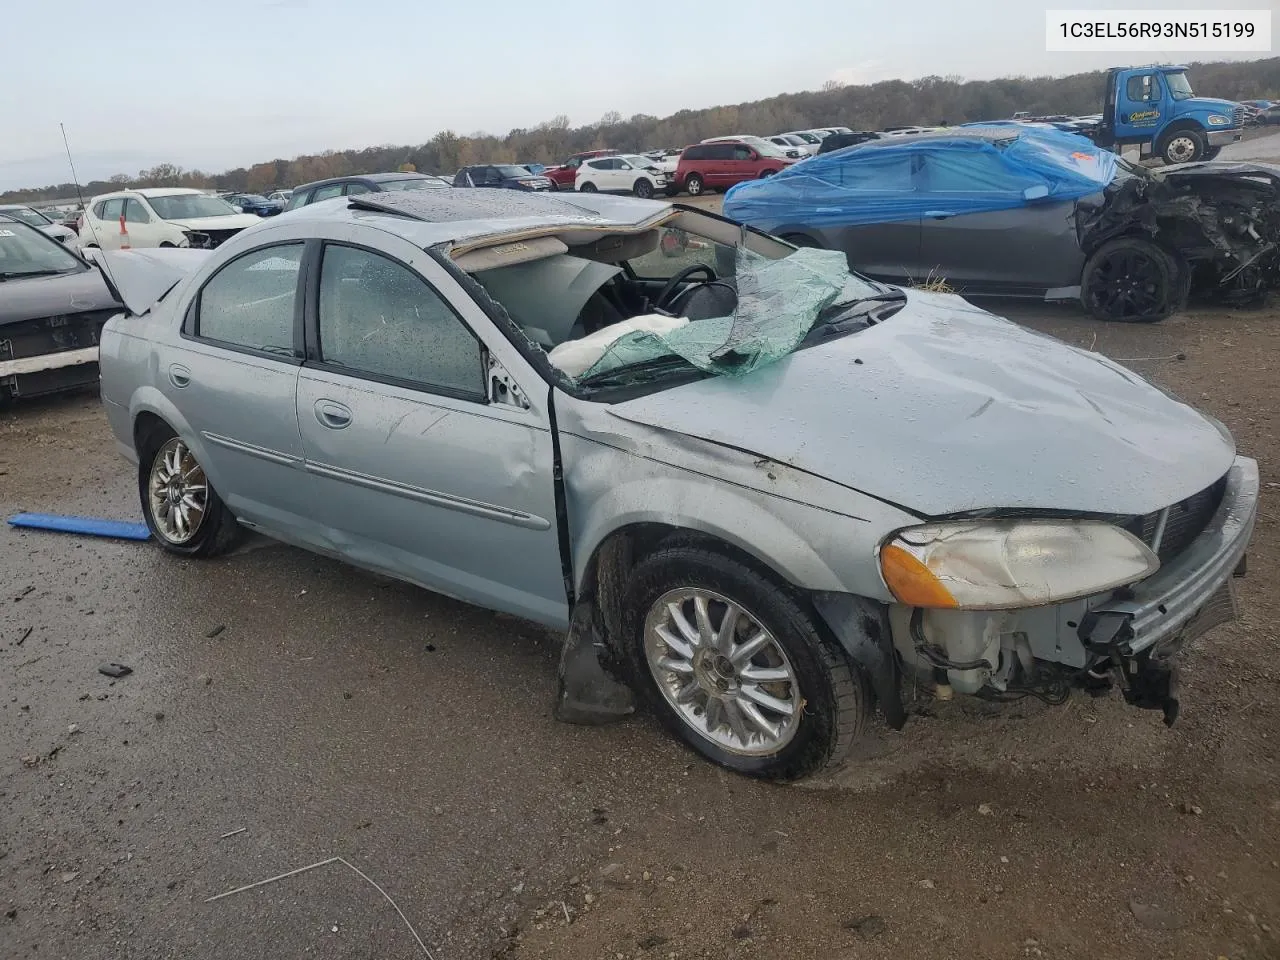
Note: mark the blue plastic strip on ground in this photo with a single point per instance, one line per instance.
(91, 526)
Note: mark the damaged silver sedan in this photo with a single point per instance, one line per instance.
(763, 491)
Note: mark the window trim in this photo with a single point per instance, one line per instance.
(314, 360)
(190, 329)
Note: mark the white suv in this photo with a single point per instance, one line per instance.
(160, 217)
(621, 173)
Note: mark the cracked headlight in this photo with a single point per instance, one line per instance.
(1007, 564)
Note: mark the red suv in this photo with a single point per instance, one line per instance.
(562, 177)
(719, 165)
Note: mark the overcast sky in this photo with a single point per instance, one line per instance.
(220, 85)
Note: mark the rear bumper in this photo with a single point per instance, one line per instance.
(1191, 595)
(1220, 138)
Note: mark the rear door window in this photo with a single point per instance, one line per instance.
(249, 303)
(111, 209)
(327, 192)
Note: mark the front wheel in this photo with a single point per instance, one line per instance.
(736, 668)
(1130, 280)
(693, 185)
(1182, 146)
(587, 188)
(181, 508)
(643, 188)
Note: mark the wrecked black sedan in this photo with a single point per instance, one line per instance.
(1031, 212)
(52, 308)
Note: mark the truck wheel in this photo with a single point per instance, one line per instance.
(693, 185)
(1128, 280)
(736, 668)
(1182, 146)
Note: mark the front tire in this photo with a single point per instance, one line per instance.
(735, 667)
(1130, 280)
(694, 186)
(1182, 146)
(183, 511)
(643, 188)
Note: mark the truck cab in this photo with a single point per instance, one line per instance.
(1155, 109)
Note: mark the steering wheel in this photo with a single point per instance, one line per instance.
(669, 294)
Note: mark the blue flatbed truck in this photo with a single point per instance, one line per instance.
(1155, 109)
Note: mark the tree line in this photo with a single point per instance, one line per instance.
(929, 100)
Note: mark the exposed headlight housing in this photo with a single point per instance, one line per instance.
(1010, 564)
(1217, 120)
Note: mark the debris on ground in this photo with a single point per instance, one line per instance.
(89, 526)
(115, 670)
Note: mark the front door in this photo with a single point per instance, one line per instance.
(234, 374)
(1138, 101)
(418, 472)
(144, 229)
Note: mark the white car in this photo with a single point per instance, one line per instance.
(795, 141)
(41, 222)
(280, 196)
(160, 217)
(621, 173)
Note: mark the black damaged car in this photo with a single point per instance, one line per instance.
(52, 308)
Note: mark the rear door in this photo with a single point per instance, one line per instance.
(720, 164)
(234, 375)
(1024, 250)
(106, 232)
(421, 469)
(145, 230)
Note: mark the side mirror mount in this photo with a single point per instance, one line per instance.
(1038, 192)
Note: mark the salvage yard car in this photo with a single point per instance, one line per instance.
(42, 222)
(351, 186)
(160, 217)
(1022, 211)
(772, 490)
(624, 173)
(52, 307)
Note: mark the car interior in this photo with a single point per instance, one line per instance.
(567, 285)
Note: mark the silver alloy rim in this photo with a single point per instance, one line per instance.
(694, 187)
(1181, 149)
(178, 491)
(722, 672)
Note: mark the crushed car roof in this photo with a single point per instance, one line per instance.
(440, 216)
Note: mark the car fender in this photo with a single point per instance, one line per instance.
(148, 399)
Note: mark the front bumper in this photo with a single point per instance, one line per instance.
(1191, 595)
(1220, 138)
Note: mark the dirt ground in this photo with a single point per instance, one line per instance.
(285, 709)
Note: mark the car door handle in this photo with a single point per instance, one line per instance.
(332, 415)
(179, 375)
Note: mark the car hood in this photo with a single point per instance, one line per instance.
(237, 221)
(38, 297)
(944, 408)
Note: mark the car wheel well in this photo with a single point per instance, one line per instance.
(145, 426)
(605, 578)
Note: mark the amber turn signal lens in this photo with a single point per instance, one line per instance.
(911, 581)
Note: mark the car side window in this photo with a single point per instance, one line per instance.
(250, 301)
(112, 209)
(676, 250)
(327, 193)
(297, 200)
(135, 212)
(380, 318)
(721, 151)
(973, 174)
(741, 152)
(355, 189)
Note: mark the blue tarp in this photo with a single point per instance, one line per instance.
(889, 180)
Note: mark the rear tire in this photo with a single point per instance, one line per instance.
(803, 718)
(643, 188)
(766, 173)
(801, 240)
(1130, 280)
(694, 185)
(587, 188)
(1211, 153)
(215, 531)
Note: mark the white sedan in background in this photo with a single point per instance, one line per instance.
(161, 217)
(621, 173)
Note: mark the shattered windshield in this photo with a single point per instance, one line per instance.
(1179, 86)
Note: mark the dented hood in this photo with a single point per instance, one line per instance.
(945, 408)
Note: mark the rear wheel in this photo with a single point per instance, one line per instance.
(1130, 280)
(767, 173)
(643, 188)
(587, 188)
(181, 508)
(693, 185)
(1182, 146)
(735, 667)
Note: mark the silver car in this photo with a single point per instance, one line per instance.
(765, 492)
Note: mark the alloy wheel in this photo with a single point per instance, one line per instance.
(178, 492)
